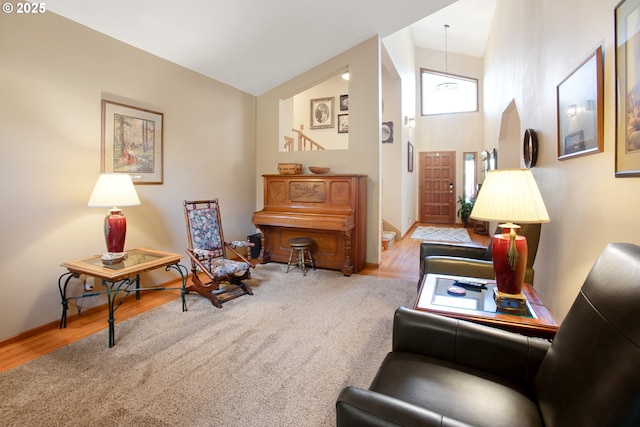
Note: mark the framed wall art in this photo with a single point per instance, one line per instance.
(343, 123)
(409, 156)
(132, 141)
(344, 102)
(627, 42)
(387, 132)
(322, 113)
(580, 109)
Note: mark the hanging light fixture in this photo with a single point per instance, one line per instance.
(446, 85)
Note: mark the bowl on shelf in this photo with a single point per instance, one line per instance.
(319, 169)
(289, 168)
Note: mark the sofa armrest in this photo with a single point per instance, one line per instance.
(467, 267)
(506, 354)
(356, 407)
(444, 249)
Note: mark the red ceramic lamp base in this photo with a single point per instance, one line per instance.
(509, 276)
(115, 230)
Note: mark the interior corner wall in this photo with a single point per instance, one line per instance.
(401, 52)
(53, 75)
(531, 50)
(363, 154)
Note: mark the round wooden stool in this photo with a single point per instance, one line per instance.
(302, 247)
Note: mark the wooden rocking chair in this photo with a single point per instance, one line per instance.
(208, 253)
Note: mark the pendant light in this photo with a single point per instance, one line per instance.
(446, 85)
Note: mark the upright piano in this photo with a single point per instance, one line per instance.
(330, 209)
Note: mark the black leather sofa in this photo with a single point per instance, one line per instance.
(447, 372)
(473, 260)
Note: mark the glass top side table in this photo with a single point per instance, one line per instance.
(123, 277)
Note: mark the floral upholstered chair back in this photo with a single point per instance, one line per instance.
(205, 230)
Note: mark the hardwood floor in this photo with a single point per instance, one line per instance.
(400, 261)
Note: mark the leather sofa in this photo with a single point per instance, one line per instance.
(447, 372)
(473, 260)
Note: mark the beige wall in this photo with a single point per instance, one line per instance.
(533, 46)
(53, 75)
(399, 201)
(363, 155)
(461, 132)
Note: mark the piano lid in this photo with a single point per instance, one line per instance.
(315, 221)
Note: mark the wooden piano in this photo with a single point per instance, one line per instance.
(331, 209)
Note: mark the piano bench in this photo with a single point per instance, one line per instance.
(301, 246)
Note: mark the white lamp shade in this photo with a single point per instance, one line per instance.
(112, 190)
(510, 195)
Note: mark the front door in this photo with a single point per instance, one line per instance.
(437, 186)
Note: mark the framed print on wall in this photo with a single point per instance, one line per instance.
(344, 102)
(409, 156)
(132, 142)
(343, 123)
(627, 42)
(322, 113)
(387, 132)
(580, 109)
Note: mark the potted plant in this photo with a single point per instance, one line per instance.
(464, 210)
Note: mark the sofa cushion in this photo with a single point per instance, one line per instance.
(442, 387)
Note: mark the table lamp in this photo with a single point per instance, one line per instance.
(113, 190)
(510, 196)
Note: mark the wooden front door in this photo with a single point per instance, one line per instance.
(437, 187)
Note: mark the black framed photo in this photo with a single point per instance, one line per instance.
(409, 156)
(343, 123)
(627, 43)
(580, 109)
(344, 102)
(387, 132)
(322, 113)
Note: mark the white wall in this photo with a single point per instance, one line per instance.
(363, 155)
(533, 46)
(53, 75)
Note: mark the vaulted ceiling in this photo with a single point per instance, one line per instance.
(255, 45)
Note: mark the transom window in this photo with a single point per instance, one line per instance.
(445, 93)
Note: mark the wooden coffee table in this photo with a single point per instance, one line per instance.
(478, 305)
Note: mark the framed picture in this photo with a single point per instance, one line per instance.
(343, 123)
(132, 142)
(580, 109)
(322, 113)
(344, 102)
(387, 132)
(409, 156)
(627, 42)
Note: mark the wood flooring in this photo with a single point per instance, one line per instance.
(400, 261)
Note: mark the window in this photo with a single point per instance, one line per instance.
(445, 93)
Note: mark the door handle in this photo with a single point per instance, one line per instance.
(451, 187)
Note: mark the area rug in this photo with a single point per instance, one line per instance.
(441, 234)
(277, 358)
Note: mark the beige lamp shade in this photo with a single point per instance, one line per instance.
(510, 195)
(113, 189)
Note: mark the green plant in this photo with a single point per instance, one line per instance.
(464, 210)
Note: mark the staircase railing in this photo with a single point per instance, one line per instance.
(304, 142)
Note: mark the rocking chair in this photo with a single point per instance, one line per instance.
(208, 253)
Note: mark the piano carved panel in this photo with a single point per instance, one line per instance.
(308, 191)
(330, 209)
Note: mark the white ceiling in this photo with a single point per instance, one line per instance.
(255, 45)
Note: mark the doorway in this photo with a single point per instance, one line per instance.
(437, 175)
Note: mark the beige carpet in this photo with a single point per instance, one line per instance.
(278, 358)
(441, 234)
